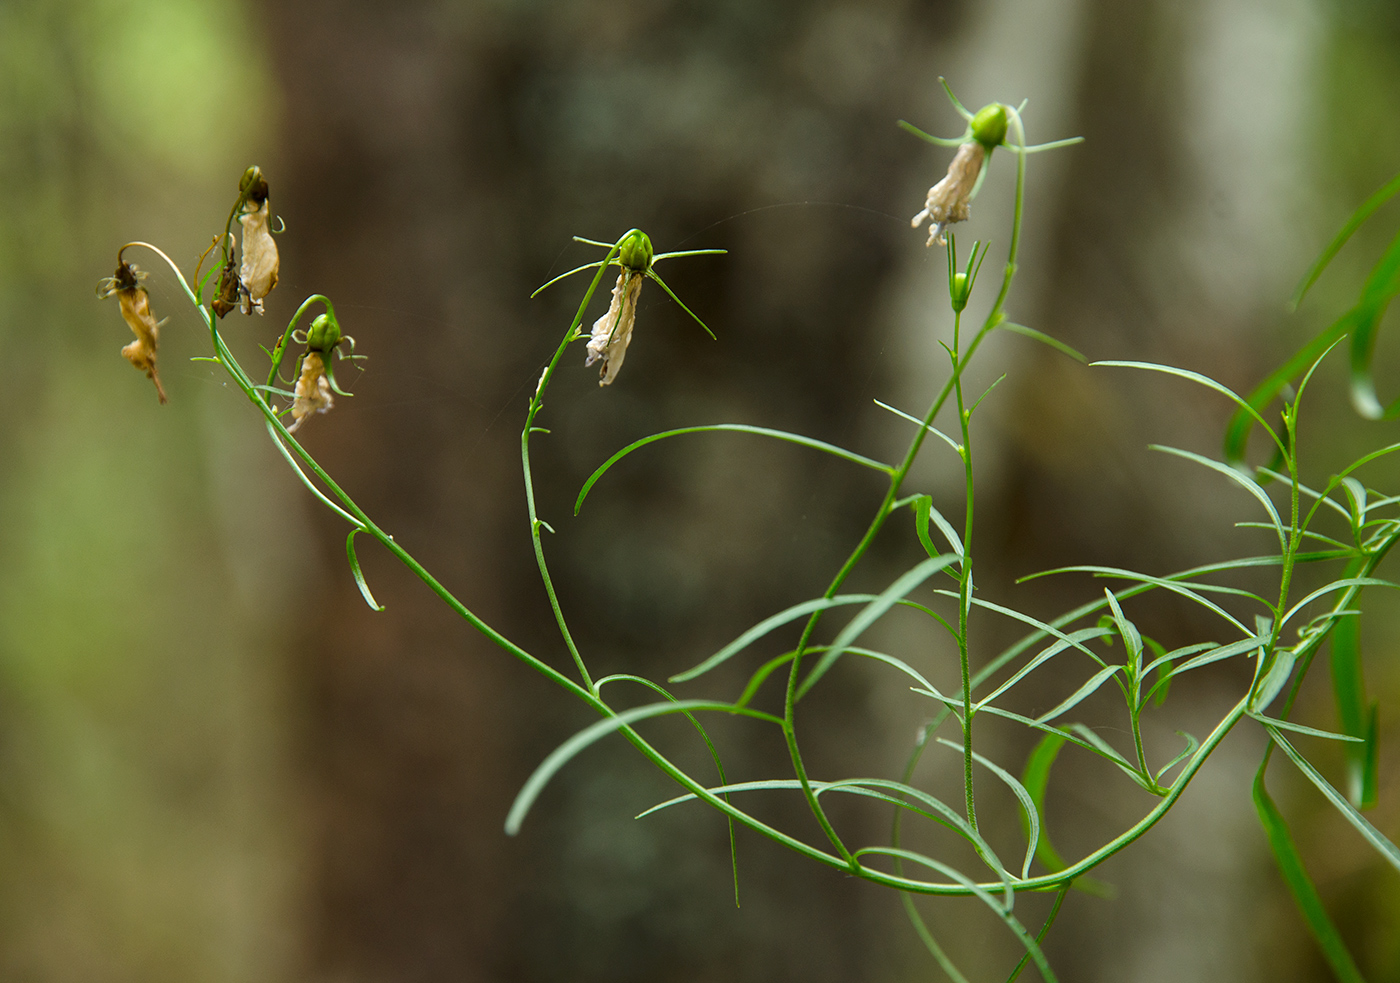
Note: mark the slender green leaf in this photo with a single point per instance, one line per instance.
(871, 613)
(1043, 338)
(1349, 691)
(1036, 779)
(1380, 289)
(1353, 223)
(1290, 864)
(1045, 655)
(791, 438)
(1301, 729)
(765, 626)
(1081, 694)
(1029, 811)
(957, 447)
(1375, 837)
(1003, 912)
(1209, 383)
(1239, 478)
(561, 755)
(355, 570)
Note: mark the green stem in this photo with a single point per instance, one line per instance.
(994, 318)
(965, 580)
(537, 404)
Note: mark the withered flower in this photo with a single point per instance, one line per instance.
(612, 332)
(259, 271)
(948, 199)
(227, 297)
(136, 311)
(316, 382)
(313, 390)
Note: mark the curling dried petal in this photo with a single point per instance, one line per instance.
(612, 332)
(948, 199)
(259, 271)
(313, 390)
(136, 311)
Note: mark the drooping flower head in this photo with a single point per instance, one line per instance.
(258, 274)
(950, 199)
(315, 380)
(612, 333)
(136, 311)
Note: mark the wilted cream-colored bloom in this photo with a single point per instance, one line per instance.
(259, 271)
(136, 311)
(313, 391)
(948, 199)
(612, 332)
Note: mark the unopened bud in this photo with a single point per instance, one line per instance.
(989, 125)
(253, 185)
(960, 289)
(324, 334)
(635, 253)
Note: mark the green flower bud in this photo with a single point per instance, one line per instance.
(989, 125)
(635, 252)
(253, 185)
(960, 289)
(324, 334)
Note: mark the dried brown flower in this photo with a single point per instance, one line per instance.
(948, 199)
(260, 261)
(136, 311)
(313, 390)
(612, 332)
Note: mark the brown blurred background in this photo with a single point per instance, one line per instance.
(216, 763)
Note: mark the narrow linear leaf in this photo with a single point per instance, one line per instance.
(561, 755)
(1209, 383)
(1081, 694)
(1353, 223)
(1044, 339)
(871, 613)
(765, 626)
(1030, 814)
(924, 513)
(1239, 478)
(1192, 745)
(355, 571)
(1349, 692)
(1290, 864)
(1301, 729)
(1003, 912)
(1375, 837)
(1036, 779)
(791, 438)
(957, 448)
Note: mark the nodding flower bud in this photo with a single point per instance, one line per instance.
(324, 334)
(989, 125)
(635, 253)
(253, 185)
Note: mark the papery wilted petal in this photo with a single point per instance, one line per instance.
(612, 332)
(136, 311)
(259, 271)
(948, 199)
(313, 390)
